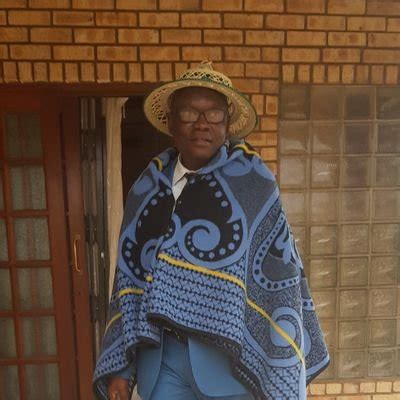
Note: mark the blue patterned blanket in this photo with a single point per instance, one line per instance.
(221, 265)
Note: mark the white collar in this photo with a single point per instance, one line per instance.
(180, 171)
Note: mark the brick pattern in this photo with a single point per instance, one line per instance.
(368, 390)
(260, 44)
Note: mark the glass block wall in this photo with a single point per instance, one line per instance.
(339, 173)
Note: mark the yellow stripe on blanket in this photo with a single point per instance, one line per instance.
(238, 282)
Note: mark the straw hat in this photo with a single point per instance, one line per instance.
(243, 117)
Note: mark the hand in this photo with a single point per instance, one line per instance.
(118, 389)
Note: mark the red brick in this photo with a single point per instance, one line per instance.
(173, 36)
(366, 24)
(381, 56)
(179, 4)
(87, 72)
(110, 18)
(117, 53)
(201, 20)
(197, 53)
(3, 52)
(382, 7)
(223, 36)
(318, 74)
(136, 4)
(264, 6)
(346, 7)
(317, 389)
(347, 39)
(304, 73)
(10, 72)
(268, 153)
(165, 72)
(29, 17)
(367, 387)
(223, 5)
(341, 55)
(276, 21)
(269, 123)
(11, 35)
(325, 23)
(244, 21)
(334, 388)
(262, 70)
(230, 69)
(377, 72)
(134, 72)
(392, 77)
(271, 54)
(271, 105)
(29, 52)
(270, 86)
(138, 36)
(13, 3)
(40, 72)
(51, 35)
(384, 387)
(241, 53)
(348, 72)
(56, 72)
(383, 39)
(295, 38)
(50, 4)
(288, 73)
(333, 73)
(94, 35)
(25, 72)
(73, 18)
(3, 18)
(93, 4)
(246, 85)
(362, 74)
(265, 37)
(119, 72)
(180, 67)
(150, 72)
(71, 72)
(258, 102)
(103, 72)
(159, 53)
(351, 388)
(154, 20)
(393, 25)
(301, 55)
(77, 53)
(306, 6)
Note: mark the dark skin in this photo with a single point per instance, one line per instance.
(197, 142)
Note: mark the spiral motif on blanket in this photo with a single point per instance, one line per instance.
(212, 232)
(138, 249)
(289, 322)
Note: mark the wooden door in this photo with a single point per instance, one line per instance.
(45, 349)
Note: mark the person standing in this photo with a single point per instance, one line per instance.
(210, 299)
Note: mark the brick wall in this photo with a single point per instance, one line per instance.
(258, 43)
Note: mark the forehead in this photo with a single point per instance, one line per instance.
(192, 94)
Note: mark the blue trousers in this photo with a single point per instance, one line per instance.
(176, 381)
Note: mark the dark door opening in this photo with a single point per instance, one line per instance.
(140, 142)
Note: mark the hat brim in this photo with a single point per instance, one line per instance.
(243, 118)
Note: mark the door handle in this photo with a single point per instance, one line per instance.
(76, 267)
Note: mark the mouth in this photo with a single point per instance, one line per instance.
(200, 141)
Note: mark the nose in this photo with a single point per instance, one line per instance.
(201, 122)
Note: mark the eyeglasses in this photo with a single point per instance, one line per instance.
(212, 116)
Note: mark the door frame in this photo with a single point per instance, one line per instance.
(65, 108)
